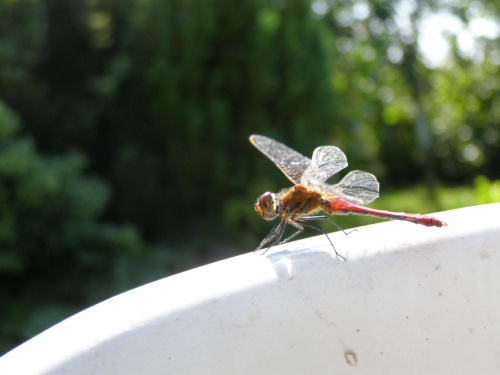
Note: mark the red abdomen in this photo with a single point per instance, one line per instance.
(337, 205)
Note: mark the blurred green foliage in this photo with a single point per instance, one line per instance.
(56, 256)
(124, 127)
(485, 191)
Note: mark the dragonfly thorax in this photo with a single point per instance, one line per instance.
(267, 206)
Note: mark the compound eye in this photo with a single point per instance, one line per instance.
(265, 206)
(266, 200)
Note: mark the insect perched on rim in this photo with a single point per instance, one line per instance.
(301, 204)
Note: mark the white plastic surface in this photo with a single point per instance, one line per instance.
(410, 300)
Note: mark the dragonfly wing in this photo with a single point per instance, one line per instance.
(291, 163)
(357, 187)
(326, 161)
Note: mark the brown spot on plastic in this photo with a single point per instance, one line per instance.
(351, 358)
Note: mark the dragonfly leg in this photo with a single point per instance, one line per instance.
(315, 226)
(300, 229)
(323, 217)
(273, 237)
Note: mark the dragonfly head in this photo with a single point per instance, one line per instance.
(267, 206)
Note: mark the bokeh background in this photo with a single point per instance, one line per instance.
(124, 124)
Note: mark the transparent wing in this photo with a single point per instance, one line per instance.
(357, 187)
(291, 163)
(326, 161)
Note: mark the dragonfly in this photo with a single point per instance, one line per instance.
(303, 203)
